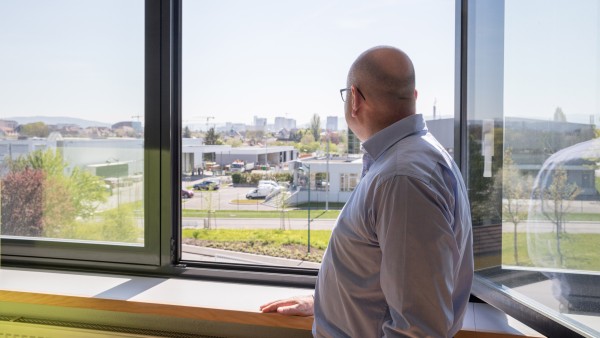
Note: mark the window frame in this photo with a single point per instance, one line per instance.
(484, 288)
(72, 253)
(162, 254)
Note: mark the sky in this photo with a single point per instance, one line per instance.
(283, 58)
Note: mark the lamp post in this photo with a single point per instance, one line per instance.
(308, 220)
(301, 166)
(327, 182)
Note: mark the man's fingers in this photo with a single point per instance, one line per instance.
(297, 306)
(289, 310)
(273, 306)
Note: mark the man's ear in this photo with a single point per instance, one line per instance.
(356, 100)
(416, 94)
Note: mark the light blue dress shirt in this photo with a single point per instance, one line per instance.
(400, 259)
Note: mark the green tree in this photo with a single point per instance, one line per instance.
(211, 137)
(187, 133)
(66, 197)
(315, 127)
(555, 204)
(35, 129)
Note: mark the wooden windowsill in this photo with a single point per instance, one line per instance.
(168, 303)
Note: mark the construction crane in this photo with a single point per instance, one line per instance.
(137, 117)
(199, 118)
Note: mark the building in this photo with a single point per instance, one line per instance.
(260, 123)
(344, 175)
(284, 123)
(195, 154)
(332, 123)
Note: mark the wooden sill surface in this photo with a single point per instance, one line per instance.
(229, 303)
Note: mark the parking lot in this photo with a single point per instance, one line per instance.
(225, 198)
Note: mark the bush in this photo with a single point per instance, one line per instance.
(284, 177)
(236, 178)
(254, 178)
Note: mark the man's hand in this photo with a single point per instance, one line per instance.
(296, 306)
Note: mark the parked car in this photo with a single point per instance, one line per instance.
(261, 192)
(186, 193)
(207, 185)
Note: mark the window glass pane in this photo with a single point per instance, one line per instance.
(71, 121)
(534, 108)
(261, 85)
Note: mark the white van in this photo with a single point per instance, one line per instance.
(261, 192)
(268, 182)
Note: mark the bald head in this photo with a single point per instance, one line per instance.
(387, 75)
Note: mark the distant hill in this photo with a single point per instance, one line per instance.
(57, 120)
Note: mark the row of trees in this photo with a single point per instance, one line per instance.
(305, 140)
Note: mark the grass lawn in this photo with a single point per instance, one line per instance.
(580, 251)
(277, 243)
(314, 214)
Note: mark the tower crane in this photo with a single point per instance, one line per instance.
(199, 118)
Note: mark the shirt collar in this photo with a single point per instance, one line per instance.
(385, 138)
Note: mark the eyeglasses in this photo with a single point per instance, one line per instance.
(344, 93)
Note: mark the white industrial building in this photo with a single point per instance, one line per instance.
(344, 174)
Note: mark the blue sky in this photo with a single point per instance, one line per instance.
(283, 58)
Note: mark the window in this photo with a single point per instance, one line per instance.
(532, 148)
(72, 132)
(260, 91)
(348, 182)
(96, 179)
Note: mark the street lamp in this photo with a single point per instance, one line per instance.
(299, 166)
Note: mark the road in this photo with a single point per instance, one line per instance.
(259, 223)
(546, 226)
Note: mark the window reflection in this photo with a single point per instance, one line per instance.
(533, 153)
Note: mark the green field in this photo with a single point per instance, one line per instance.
(291, 244)
(580, 251)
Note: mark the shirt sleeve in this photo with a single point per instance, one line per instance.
(413, 224)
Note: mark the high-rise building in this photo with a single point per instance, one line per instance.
(260, 121)
(283, 122)
(332, 123)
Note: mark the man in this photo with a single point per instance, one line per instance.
(400, 259)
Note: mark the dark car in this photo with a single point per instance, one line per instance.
(186, 193)
(206, 185)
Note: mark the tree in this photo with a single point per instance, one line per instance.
(36, 129)
(555, 203)
(516, 192)
(187, 133)
(21, 203)
(315, 127)
(281, 201)
(559, 115)
(211, 137)
(64, 197)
